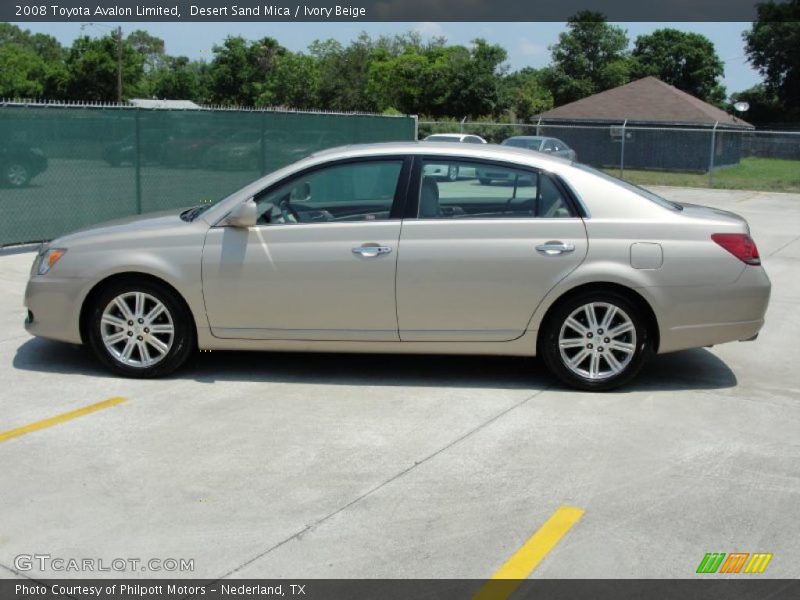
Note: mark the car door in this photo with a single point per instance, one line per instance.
(321, 262)
(476, 260)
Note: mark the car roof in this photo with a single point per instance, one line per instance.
(486, 151)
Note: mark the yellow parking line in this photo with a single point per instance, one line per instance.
(67, 416)
(522, 563)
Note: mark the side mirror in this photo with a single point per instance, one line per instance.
(244, 215)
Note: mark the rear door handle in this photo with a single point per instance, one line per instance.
(371, 251)
(555, 248)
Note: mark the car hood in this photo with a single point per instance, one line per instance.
(134, 225)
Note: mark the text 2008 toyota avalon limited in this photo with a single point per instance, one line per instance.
(363, 249)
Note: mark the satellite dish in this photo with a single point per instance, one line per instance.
(741, 106)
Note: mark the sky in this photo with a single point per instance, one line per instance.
(527, 43)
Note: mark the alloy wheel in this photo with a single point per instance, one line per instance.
(597, 341)
(137, 329)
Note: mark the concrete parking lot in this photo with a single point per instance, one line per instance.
(291, 465)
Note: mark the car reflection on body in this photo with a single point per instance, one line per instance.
(355, 249)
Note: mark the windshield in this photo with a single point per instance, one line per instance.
(631, 187)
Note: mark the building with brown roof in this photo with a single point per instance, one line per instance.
(664, 128)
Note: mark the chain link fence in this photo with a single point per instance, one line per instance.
(682, 156)
(66, 167)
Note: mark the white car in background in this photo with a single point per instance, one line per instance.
(453, 172)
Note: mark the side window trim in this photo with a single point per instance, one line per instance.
(400, 193)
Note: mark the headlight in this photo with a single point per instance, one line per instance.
(50, 258)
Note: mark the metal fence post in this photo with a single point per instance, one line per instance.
(137, 160)
(711, 157)
(622, 151)
(262, 151)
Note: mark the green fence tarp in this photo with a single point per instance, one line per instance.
(64, 168)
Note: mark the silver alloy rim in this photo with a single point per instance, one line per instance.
(597, 341)
(137, 329)
(17, 175)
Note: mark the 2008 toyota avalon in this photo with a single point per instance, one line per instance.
(361, 249)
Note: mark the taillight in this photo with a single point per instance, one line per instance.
(740, 245)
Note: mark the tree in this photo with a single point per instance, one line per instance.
(474, 79)
(32, 64)
(92, 69)
(591, 57)
(343, 73)
(178, 78)
(686, 60)
(525, 95)
(294, 82)
(150, 47)
(773, 47)
(241, 70)
(765, 108)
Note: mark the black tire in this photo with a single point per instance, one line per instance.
(16, 174)
(550, 352)
(183, 342)
(484, 181)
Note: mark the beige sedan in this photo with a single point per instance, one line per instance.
(356, 249)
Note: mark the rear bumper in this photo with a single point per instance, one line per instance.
(708, 315)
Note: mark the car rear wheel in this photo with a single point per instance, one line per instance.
(16, 174)
(484, 181)
(140, 329)
(595, 341)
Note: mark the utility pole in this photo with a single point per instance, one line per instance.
(119, 65)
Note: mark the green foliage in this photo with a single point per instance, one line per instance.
(178, 78)
(773, 47)
(241, 70)
(150, 47)
(526, 95)
(765, 107)
(589, 58)
(686, 60)
(406, 73)
(92, 69)
(31, 65)
(437, 79)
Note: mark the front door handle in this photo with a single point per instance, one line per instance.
(371, 251)
(555, 248)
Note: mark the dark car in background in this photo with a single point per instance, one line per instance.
(546, 145)
(549, 145)
(19, 164)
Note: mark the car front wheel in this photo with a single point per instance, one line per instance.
(16, 174)
(140, 329)
(595, 341)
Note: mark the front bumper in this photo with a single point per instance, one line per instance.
(54, 307)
